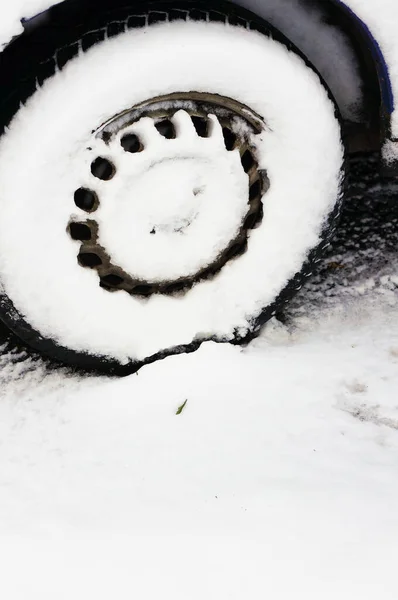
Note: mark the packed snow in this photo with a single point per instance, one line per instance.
(300, 149)
(304, 24)
(268, 471)
(277, 478)
(181, 201)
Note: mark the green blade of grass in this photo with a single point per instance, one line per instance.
(179, 411)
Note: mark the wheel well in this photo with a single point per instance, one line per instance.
(368, 48)
(378, 96)
(311, 25)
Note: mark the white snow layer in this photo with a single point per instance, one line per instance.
(278, 479)
(174, 207)
(305, 28)
(46, 156)
(325, 45)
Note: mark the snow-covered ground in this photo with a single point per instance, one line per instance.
(278, 479)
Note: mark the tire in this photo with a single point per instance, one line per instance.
(158, 192)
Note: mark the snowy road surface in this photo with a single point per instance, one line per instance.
(279, 478)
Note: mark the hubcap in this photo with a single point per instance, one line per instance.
(173, 193)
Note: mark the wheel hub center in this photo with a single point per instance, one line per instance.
(169, 195)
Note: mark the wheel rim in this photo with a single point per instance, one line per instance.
(207, 116)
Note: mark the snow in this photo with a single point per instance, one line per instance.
(277, 479)
(302, 139)
(190, 191)
(325, 45)
(329, 51)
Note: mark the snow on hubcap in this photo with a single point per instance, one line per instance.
(180, 190)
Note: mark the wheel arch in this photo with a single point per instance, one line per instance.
(377, 70)
(376, 83)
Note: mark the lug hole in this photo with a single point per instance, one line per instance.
(258, 217)
(80, 231)
(201, 126)
(112, 280)
(255, 190)
(89, 259)
(86, 199)
(142, 290)
(131, 143)
(166, 129)
(237, 249)
(251, 221)
(247, 161)
(103, 169)
(229, 138)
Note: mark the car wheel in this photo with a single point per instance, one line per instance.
(170, 184)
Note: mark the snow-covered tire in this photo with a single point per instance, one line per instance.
(103, 264)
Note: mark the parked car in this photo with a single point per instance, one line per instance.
(171, 171)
